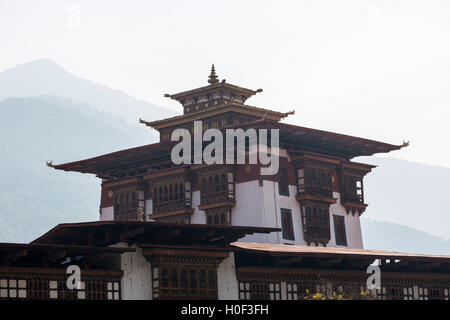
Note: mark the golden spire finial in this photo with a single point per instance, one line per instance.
(213, 76)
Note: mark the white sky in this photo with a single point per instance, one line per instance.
(376, 69)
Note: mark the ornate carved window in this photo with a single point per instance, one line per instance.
(339, 230)
(172, 197)
(353, 189)
(390, 292)
(316, 222)
(315, 181)
(298, 291)
(125, 204)
(219, 216)
(351, 186)
(184, 274)
(408, 293)
(286, 224)
(45, 284)
(259, 290)
(13, 288)
(255, 282)
(315, 178)
(127, 196)
(217, 193)
(217, 186)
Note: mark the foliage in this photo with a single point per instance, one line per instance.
(363, 295)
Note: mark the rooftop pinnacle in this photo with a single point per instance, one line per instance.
(213, 76)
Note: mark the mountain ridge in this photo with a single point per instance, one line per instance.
(45, 77)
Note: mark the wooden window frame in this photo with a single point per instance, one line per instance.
(200, 282)
(287, 230)
(259, 290)
(126, 203)
(216, 187)
(283, 184)
(219, 216)
(341, 239)
(316, 222)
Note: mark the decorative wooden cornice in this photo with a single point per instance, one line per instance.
(206, 169)
(305, 197)
(224, 204)
(356, 169)
(214, 111)
(297, 274)
(184, 256)
(186, 211)
(354, 207)
(123, 184)
(315, 160)
(176, 173)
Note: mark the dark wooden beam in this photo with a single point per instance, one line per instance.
(327, 263)
(132, 233)
(57, 256)
(13, 256)
(427, 266)
(91, 238)
(289, 261)
(207, 235)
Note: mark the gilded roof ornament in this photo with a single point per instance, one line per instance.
(404, 144)
(143, 121)
(213, 78)
(50, 164)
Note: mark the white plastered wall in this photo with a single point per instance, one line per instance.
(199, 215)
(227, 284)
(352, 225)
(107, 214)
(136, 282)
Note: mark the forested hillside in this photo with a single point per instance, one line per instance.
(34, 197)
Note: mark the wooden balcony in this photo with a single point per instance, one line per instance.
(168, 206)
(126, 215)
(216, 199)
(171, 208)
(316, 193)
(317, 234)
(353, 203)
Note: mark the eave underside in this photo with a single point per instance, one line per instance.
(214, 111)
(293, 138)
(53, 255)
(104, 233)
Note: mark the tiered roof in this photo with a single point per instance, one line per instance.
(214, 100)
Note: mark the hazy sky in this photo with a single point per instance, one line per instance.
(376, 69)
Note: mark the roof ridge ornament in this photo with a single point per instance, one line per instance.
(404, 144)
(50, 164)
(213, 78)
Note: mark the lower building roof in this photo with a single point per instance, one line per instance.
(104, 233)
(39, 255)
(336, 258)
